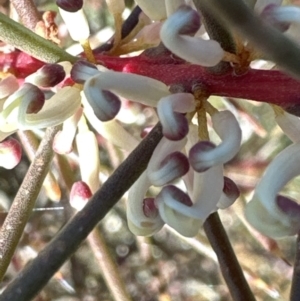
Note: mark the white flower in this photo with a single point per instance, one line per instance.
(204, 154)
(205, 191)
(271, 214)
(175, 34)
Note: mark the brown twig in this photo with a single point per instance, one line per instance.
(24, 201)
(108, 266)
(295, 289)
(230, 268)
(27, 12)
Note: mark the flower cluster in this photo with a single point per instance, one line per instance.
(184, 182)
(179, 154)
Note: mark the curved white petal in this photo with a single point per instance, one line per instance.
(208, 187)
(138, 223)
(134, 87)
(281, 170)
(89, 160)
(55, 111)
(76, 23)
(228, 129)
(290, 14)
(290, 125)
(154, 9)
(261, 219)
(63, 140)
(110, 130)
(183, 224)
(163, 149)
(192, 49)
(172, 6)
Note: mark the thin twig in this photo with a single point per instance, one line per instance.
(128, 25)
(230, 268)
(37, 273)
(24, 39)
(30, 144)
(27, 12)
(108, 266)
(295, 289)
(24, 201)
(272, 43)
(97, 242)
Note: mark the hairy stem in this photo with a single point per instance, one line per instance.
(24, 39)
(230, 268)
(27, 12)
(30, 144)
(272, 43)
(24, 201)
(37, 273)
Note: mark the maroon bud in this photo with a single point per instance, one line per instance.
(288, 206)
(149, 208)
(10, 153)
(191, 27)
(48, 76)
(71, 6)
(231, 189)
(80, 194)
(37, 100)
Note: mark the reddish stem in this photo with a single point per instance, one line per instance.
(270, 86)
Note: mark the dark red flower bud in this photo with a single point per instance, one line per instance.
(71, 6)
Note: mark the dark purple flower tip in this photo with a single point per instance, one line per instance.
(179, 128)
(176, 194)
(172, 167)
(149, 208)
(230, 194)
(268, 16)
(177, 162)
(50, 75)
(231, 189)
(71, 6)
(193, 24)
(288, 206)
(83, 70)
(105, 104)
(37, 98)
(195, 155)
(293, 109)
